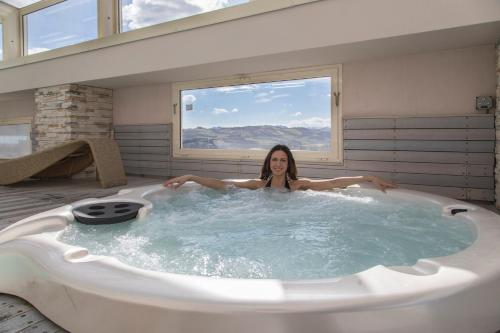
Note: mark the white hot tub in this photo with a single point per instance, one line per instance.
(84, 292)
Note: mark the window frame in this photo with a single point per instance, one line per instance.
(334, 156)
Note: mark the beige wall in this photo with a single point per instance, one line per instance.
(437, 83)
(142, 105)
(16, 108)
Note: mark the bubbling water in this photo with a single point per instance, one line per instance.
(271, 234)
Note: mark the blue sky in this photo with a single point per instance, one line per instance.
(142, 13)
(69, 22)
(75, 21)
(296, 103)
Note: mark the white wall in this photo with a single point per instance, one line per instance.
(435, 83)
(142, 105)
(438, 83)
(17, 108)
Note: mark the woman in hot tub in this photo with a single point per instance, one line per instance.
(279, 171)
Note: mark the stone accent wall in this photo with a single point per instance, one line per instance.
(68, 112)
(497, 127)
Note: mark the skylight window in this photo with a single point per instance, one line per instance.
(66, 23)
(137, 14)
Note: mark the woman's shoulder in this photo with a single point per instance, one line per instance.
(300, 184)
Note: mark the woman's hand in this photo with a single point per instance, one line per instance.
(380, 183)
(177, 181)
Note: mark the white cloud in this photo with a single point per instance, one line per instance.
(89, 19)
(50, 35)
(270, 98)
(33, 50)
(64, 6)
(296, 114)
(288, 84)
(143, 13)
(70, 38)
(238, 89)
(218, 111)
(188, 99)
(314, 122)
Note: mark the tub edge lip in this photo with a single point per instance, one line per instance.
(451, 273)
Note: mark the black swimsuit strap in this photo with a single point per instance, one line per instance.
(268, 184)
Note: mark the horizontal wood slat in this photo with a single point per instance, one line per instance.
(445, 146)
(454, 192)
(142, 143)
(421, 134)
(142, 128)
(143, 136)
(146, 150)
(130, 170)
(421, 122)
(145, 157)
(451, 155)
(416, 156)
(430, 168)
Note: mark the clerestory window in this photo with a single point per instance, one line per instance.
(143, 13)
(242, 117)
(65, 23)
(54, 24)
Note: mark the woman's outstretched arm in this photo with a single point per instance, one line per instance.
(211, 182)
(341, 182)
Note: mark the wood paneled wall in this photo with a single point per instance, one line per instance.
(451, 156)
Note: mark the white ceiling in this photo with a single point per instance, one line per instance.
(20, 3)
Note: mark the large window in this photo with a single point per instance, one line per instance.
(244, 117)
(15, 140)
(142, 13)
(66, 23)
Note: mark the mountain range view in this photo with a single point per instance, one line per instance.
(257, 137)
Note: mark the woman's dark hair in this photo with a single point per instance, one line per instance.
(291, 171)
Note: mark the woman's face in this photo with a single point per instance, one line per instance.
(279, 163)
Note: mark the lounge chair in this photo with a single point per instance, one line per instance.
(67, 159)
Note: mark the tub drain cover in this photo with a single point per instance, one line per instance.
(106, 212)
